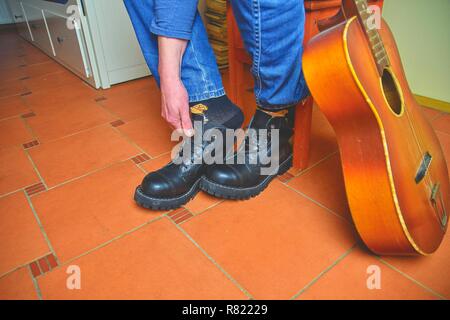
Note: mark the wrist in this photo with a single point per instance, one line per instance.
(168, 74)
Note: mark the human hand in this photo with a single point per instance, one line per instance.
(174, 97)
(175, 105)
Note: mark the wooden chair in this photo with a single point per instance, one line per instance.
(318, 13)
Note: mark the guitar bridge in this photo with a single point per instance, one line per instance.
(438, 204)
(423, 168)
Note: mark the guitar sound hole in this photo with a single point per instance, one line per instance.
(391, 93)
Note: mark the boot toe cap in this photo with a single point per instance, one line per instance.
(156, 186)
(224, 175)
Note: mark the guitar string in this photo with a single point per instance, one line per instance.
(362, 6)
(428, 182)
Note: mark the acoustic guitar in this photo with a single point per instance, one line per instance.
(396, 177)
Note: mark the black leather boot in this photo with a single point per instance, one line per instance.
(178, 182)
(241, 181)
(172, 186)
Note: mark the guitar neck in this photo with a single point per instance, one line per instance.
(369, 25)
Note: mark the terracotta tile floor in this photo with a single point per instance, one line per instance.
(70, 158)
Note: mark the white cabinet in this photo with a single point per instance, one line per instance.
(115, 41)
(19, 17)
(68, 44)
(102, 49)
(38, 26)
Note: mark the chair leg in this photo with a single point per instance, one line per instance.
(302, 135)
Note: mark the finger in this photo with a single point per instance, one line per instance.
(164, 110)
(186, 122)
(175, 122)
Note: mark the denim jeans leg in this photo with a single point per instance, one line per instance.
(199, 71)
(273, 33)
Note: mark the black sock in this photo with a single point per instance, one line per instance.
(218, 112)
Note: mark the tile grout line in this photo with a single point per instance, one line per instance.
(128, 139)
(141, 168)
(214, 262)
(43, 232)
(24, 265)
(105, 124)
(104, 244)
(120, 132)
(11, 117)
(437, 116)
(447, 134)
(4, 195)
(35, 284)
(302, 172)
(151, 159)
(420, 284)
(30, 130)
(87, 174)
(318, 203)
(321, 274)
(36, 169)
(203, 211)
(100, 104)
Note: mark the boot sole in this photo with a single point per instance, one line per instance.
(159, 204)
(233, 193)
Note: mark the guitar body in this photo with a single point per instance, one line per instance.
(395, 174)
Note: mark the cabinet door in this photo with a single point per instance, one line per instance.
(68, 43)
(38, 27)
(20, 19)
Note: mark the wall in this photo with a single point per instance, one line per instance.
(422, 31)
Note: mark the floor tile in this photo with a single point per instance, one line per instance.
(34, 56)
(118, 90)
(445, 144)
(157, 163)
(11, 74)
(262, 243)
(77, 91)
(79, 154)
(50, 81)
(21, 240)
(9, 62)
(86, 213)
(431, 271)
(324, 183)
(13, 132)
(155, 262)
(41, 69)
(442, 123)
(12, 88)
(152, 134)
(12, 106)
(135, 104)
(69, 118)
(16, 171)
(17, 286)
(323, 139)
(202, 202)
(348, 280)
(431, 114)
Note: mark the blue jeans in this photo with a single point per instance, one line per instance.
(272, 31)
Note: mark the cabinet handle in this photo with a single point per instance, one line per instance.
(34, 27)
(18, 17)
(60, 40)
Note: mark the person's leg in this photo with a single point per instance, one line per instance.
(200, 74)
(176, 183)
(273, 34)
